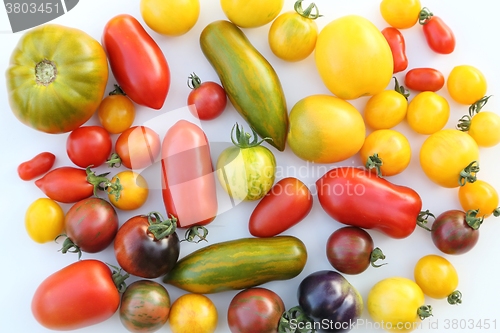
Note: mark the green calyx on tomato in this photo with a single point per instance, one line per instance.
(100, 182)
(468, 174)
(425, 15)
(242, 139)
(194, 81)
(161, 228)
(295, 314)
(401, 89)
(424, 311)
(117, 91)
(471, 219)
(119, 278)
(455, 298)
(465, 122)
(376, 255)
(308, 12)
(374, 162)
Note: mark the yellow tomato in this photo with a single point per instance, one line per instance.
(44, 220)
(353, 58)
(397, 303)
(391, 147)
(437, 278)
(444, 154)
(428, 112)
(385, 109)
(466, 84)
(116, 113)
(400, 14)
(134, 190)
(253, 13)
(193, 313)
(478, 195)
(170, 17)
(485, 128)
(325, 129)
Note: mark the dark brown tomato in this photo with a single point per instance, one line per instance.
(452, 234)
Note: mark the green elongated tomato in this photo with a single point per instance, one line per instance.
(56, 78)
(239, 264)
(250, 82)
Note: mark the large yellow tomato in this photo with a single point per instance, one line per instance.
(353, 58)
(170, 17)
(479, 195)
(193, 313)
(44, 220)
(444, 154)
(325, 129)
(251, 13)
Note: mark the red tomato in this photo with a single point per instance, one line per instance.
(438, 34)
(286, 204)
(206, 100)
(255, 310)
(137, 147)
(424, 79)
(89, 146)
(358, 197)
(37, 166)
(79, 295)
(397, 44)
(187, 174)
(137, 62)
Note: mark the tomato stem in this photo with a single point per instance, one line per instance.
(401, 89)
(119, 278)
(69, 246)
(424, 16)
(424, 311)
(496, 212)
(374, 161)
(160, 227)
(464, 123)
(100, 182)
(455, 297)
(117, 91)
(114, 161)
(477, 106)
(472, 220)
(196, 231)
(468, 174)
(375, 255)
(295, 316)
(422, 219)
(194, 81)
(308, 12)
(242, 139)
(45, 72)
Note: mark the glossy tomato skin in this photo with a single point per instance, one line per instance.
(44, 220)
(255, 310)
(79, 295)
(89, 146)
(439, 35)
(66, 184)
(206, 100)
(287, 203)
(116, 113)
(358, 197)
(37, 166)
(397, 44)
(137, 62)
(138, 147)
(424, 79)
(134, 190)
(187, 175)
(182, 319)
(139, 253)
(451, 234)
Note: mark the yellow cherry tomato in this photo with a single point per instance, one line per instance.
(485, 128)
(44, 220)
(387, 108)
(116, 113)
(400, 14)
(193, 313)
(386, 150)
(251, 14)
(479, 195)
(437, 278)
(293, 35)
(134, 190)
(170, 17)
(397, 303)
(466, 84)
(428, 112)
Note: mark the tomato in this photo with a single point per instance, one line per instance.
(79, 295)
(44, 220)
(182, 319)
(246, 170)
(386, 150)
(424, 79)
(252, 14)
(397, 44)
(145, 306)
(206, 100)
(400, 14)
(350, 250)
(287, 203)
(485, 128)
(428, 112)
(444, 154)
(479, 195)
(398, 303)
(466, 84)
(437, 278)
(134, 190)
(187, 175)
(325, 129)
(56, 78)
(292, 35)
(438, 34)
(89, 146)
(255, 310)
(37, 166)
(136, 148)
(358, 197)
(91, 225)
(116, 112)
(353, 58)
(137, 62)
(171, 18)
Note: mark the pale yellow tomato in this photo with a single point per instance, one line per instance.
(466, 84)
(44, 220)
(428, 112)
(400, 14)
(251, 13)
(193, 313)
(170, 17)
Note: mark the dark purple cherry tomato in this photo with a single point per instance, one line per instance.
(37, 166)
(396, 42)
(438, 34)
(207, 100)
(89, 146)
(424, 79)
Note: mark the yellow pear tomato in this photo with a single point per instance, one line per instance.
(251, 14)
(170, 17)
(44, 220)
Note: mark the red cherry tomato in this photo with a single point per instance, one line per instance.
(37, 166)
(89, 146)
(424, 79)
(287, 203)
(397, 44)
(438, 34)
(206, 100)
(137, 147)
(137, 62)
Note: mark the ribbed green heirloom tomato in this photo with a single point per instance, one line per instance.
(479, 195)
(428, 112)
(466, 84)
(387, 108)
(170, 17)
(56, 78)
(193, 313)
(400, 14)
(251, 14)
(44, 220)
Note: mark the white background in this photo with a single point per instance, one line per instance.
(24, 263)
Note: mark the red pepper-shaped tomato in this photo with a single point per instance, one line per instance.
(438, 34)
(137, 62)
(286, 204)
(358, 197)
(79, 295)
(37, 166)
(187, 174)
(396, 42)
(424, 79)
